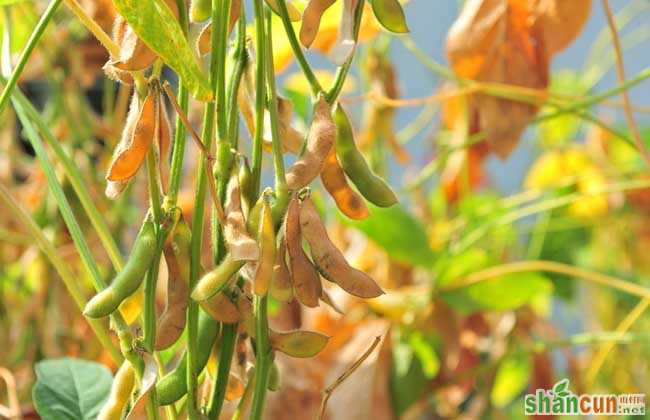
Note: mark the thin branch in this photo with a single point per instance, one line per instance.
(551, 267)
(620, 72)
(209, 157)
(349, 371)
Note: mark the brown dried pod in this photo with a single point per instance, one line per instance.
(134, 53)
(136, 139)
(347, 200)
(172, 321)
(320, 140)
(329, 260)
(221, 308)
(240, 244)
(306, 283)
(311, 20)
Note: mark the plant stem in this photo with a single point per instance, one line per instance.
(342, 72)
(94, 28)
(260, 96)
(35, 36)
(620, 72)
(552, 267)
(278, 161)
(262, 357)
(297, 49)
(69, 280)
(599, 359)
(207, 135)
(73, 174)
(178, 150)
(226, 350)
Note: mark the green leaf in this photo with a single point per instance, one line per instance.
(510, 291)
(425, 351)
(398, 232)
(70, 389)
(156, 25)
(407, 380)
(390, 14)
(561, 388)
(511, 379)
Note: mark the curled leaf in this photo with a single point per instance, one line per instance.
(306, 283)
(311, 20)
(147, 383)
(298, 343)
(136, 139)
(347, 200)
(321, 138)
(329, 260)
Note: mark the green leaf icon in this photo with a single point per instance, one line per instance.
(561, 388)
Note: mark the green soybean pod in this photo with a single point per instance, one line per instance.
(127, 281)
(216, 280)
(369, 184)
(174, 385)
(200, 10)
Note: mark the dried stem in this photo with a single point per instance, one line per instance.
(349, 371)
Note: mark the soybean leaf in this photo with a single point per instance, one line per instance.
(408, 379)
(390, 14)
(70, 389)
(503, 293)
(511, 379)
(156, 25)
(398, 232)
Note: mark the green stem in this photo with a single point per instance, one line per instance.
(178, 152)
(342, 72)
(35, 36)
(260, 96)
(297, 49)
(69, 279)
(207, 136)
(262, 357)
(226, 351)
(73, 174)
(278, 161)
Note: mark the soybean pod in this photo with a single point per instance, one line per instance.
(200, 10)
(369, 184)
(129, 279)
(174, 385)
(120, 393)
